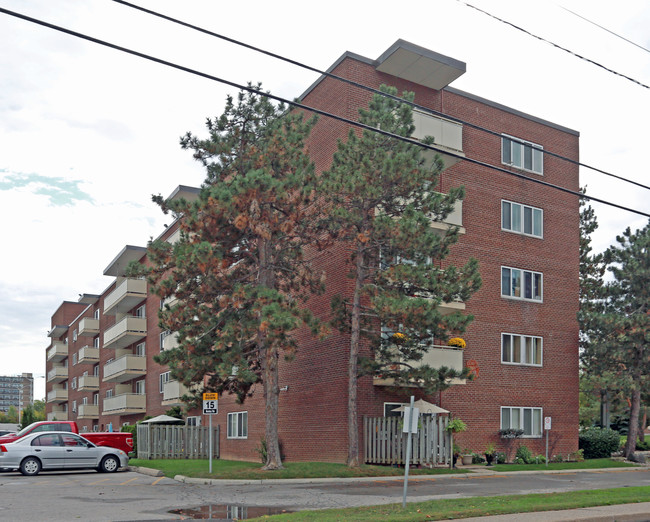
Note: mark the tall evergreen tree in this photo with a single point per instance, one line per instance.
(382, 192)
(622, 323)
(238, 271)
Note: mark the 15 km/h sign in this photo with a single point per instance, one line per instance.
(210, 403)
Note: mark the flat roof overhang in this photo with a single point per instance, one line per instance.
(117, 267)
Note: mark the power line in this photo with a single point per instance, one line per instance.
(605, 29)
(299, 105)
(367, 88)
(554, 44)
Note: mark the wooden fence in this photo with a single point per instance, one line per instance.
(159, 441)
(384, 442)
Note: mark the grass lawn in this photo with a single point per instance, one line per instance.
(230, 469)
(475, 506)
(233, 470)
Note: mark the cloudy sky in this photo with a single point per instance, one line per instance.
(88, 133)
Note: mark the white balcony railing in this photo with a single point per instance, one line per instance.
(125, 368)
(89, 326)
(128, 293)
(88, 411)
(125, 332)
(57, 352)
(57, 374)
(57, 395)
(88, 383)
(125, 403)
(88, 355)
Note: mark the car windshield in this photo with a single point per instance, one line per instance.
(23, 432)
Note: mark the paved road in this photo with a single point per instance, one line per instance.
(132, 496)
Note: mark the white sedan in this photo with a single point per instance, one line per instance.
(59, 450)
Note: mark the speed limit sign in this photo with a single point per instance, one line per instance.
(210, 403)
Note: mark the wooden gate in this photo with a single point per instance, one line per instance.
(159, 441)
(384, 442)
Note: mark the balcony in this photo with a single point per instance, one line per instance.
(89, 326)
(57, 414)
(447, 135)
(172, 393)
(57, 374)
(453, 219)
(125, 368)
(127, 331)
(436, 357)
(128, 293)
(57, 395)
(170, 341)
(57, 352)
(88, 355)
(88, 383)
(88, 411)
(125, 404)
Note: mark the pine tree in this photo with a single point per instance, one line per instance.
(622, 322)
(383, 198)
(238, 271)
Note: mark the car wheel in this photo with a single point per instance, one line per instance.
(109, 464)
(30, 466)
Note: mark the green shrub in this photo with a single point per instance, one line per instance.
(477, 459)
(524, 454)
(500, 457)
(642, 445)
(598, 443)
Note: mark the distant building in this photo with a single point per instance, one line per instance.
(16, 391)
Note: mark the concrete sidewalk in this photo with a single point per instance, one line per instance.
(620, 512)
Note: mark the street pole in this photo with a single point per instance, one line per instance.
(408, 451)
(210, 448)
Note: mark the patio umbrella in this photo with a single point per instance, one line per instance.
(164, 419)
(424, 407)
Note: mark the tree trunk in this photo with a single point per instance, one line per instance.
(355, 334)
(604, 409)
(270, 369)
(633, 431)
(644, 423)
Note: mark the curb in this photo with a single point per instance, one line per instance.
(146, 471)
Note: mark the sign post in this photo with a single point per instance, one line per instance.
(210, 408)
(410, 426)
(547, 428)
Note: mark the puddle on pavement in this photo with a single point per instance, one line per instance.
(227, 512)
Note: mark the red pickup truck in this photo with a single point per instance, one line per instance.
(119, 440)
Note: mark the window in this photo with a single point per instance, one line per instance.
(162, 339)
(521, 219)
(96, 370)
(109, 394)
(521, 284)
(84, 400)
(95, 427)
(96, 314)
(96, 342)
(389, 409)
(521, 349)
(95, 399)
(527, 419)
(238, 425)
(139, 349)
(193, 421)
(139, 387)
(74, 334)
(74, 359)
(73, 384)
(140, 311)
(522, 154)
(164, 378)
(74, 406)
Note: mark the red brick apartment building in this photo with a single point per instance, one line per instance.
(523, 342)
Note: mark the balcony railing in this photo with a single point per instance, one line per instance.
(436, 357)
(57, 395)
(128, 293)
(172, 393)
(125, 332)
(125, 368)
(88, 411)
(88, 355)
(57, 374)
(89, 326)
(170, 341)
(125, 403)
(447, 135)
(88, 383)
(57, 352)
(59, 415)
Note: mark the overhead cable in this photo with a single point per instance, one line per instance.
(299, 105)
(368, 88)
(554, 44)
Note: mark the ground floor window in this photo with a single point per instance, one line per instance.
(390, 407)
(238, 425)
(527, 419)
(193, 421)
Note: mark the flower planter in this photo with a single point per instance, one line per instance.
(467, 460)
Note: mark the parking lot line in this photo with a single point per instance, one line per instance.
(156, 481)
(130, 480)
(99, 481)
